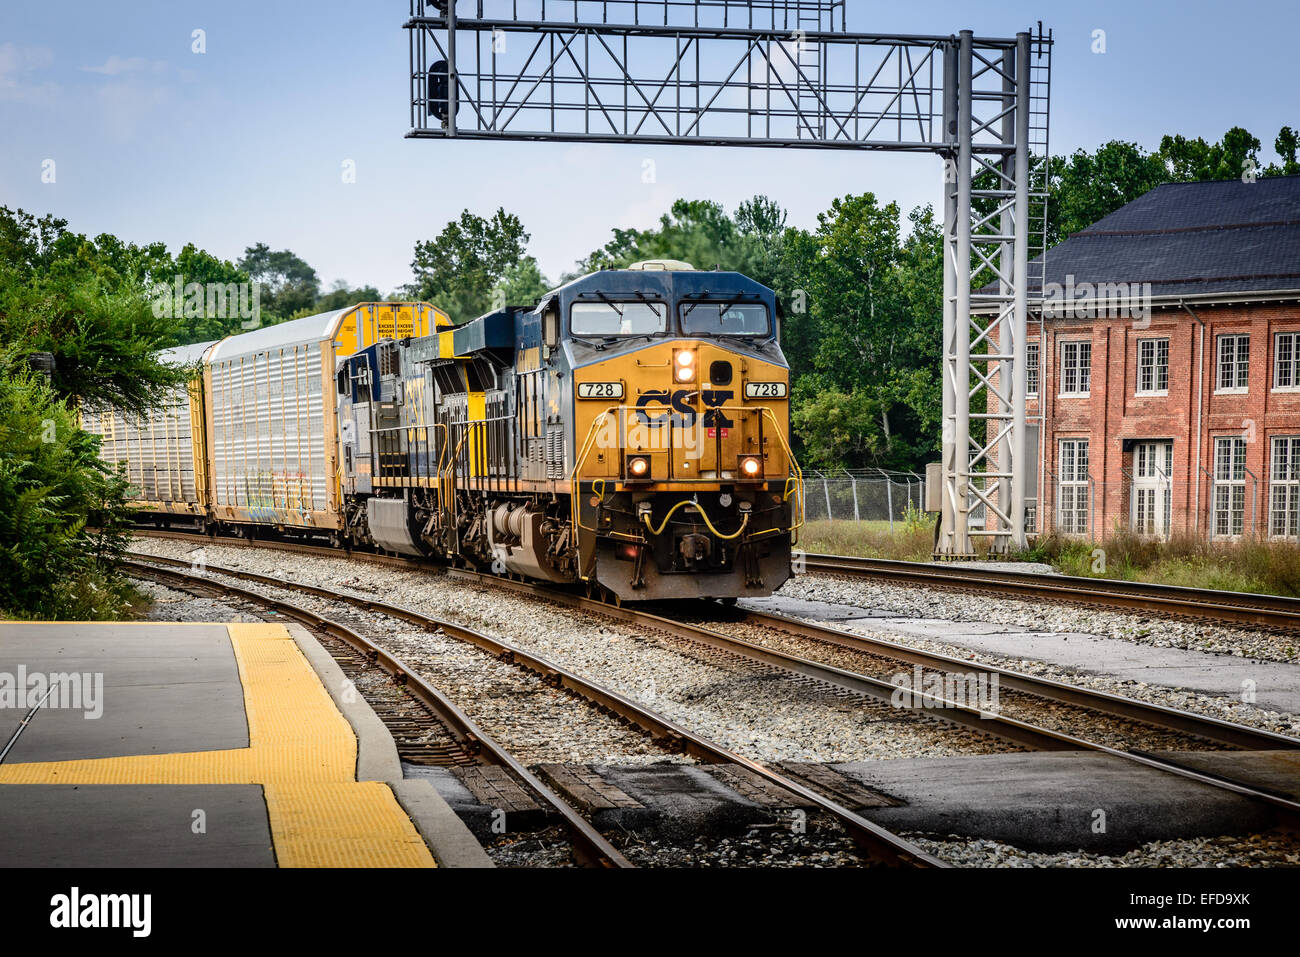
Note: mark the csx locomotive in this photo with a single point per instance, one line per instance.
(629, 431)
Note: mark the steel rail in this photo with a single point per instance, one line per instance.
(1039, 738)
(880, 844)
(590, 847)
(1269, 611)
(954, 712)
(1186, 722)
(1205, 726)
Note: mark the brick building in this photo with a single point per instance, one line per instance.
(1165, 368)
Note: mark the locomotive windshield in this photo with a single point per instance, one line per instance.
(618, 318)
(704, 317)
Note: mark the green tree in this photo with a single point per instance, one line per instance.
(1195, 160)
(1089, 186)
(341, 295)
(458, 270)
(872, 399)
(84, 302)
(194, 265)
(522, 284)
(53, 489)
(1286, 146)
(290, 286)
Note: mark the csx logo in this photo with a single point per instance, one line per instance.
(713, 399)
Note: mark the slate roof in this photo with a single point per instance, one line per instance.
(1193, 239)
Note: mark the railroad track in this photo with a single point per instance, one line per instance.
(1024, 733)
(878, 844)
(1220, 733)
(1269, 612)
(1265, 612)
(590, 847)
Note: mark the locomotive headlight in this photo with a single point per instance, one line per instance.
(751, 466)
(638, 467)
(685, 366)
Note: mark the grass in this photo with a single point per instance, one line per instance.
(1247, 566)
(1260, 567)
(909, 541)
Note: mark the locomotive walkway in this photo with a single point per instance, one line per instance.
(201, 745)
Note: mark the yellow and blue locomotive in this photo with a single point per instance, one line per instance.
(630, 431)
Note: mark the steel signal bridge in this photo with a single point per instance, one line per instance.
(788, 73)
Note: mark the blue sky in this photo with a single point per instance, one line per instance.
(245, 142)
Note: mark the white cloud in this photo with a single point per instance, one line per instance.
(15, 61)
(116, 66)
(125, 108)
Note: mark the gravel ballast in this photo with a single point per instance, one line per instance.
(756, 711)
(906, 602)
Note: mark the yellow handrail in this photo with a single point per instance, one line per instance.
(794, 484)
(656, 532)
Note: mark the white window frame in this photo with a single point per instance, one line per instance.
(1284, 486)
(1081, 349)
(1033, 370)
(1152, 488)
(1237, 365)
(1153, 358)
(1072, 487)
(1228, 496)
(1290, 366)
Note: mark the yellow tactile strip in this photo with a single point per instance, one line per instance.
(301, 750)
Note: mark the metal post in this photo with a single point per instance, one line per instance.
(1254, 500)
(854, 480)
(948, 491)
(453, 81)
(1019, 369)
(960, 541)
(1092, 508)
(889, 499)
(1005, 341)
(827, 489)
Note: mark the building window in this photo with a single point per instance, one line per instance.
(1073, 487)
(1153, 367)
(1234, 363)
(1031, 368)
(1284, 487)
(1286, 375)
(1076, 368)
(1229, 486)
(1153, 465)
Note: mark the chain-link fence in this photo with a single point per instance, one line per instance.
(1222, 507)
(862, 495)
(1227, 506)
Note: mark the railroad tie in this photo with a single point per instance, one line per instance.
(587, 789)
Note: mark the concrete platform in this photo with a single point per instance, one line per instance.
(1062, 800)
(1051, 801)
(202, 745)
